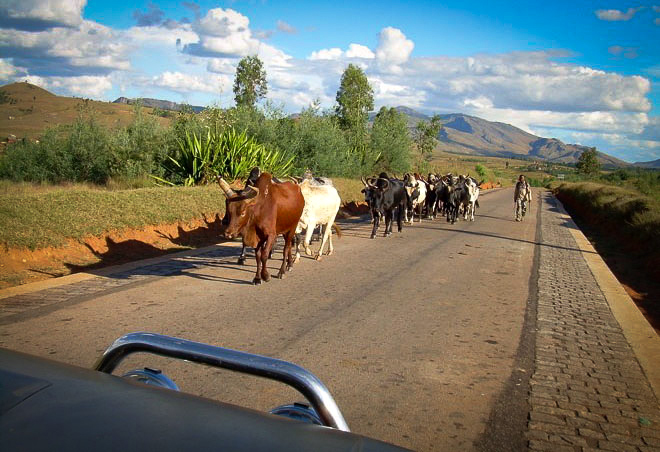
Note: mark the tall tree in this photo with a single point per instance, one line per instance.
(588, 162)
(426, 136)
(250, 82)
(390, 137)
(355, 98)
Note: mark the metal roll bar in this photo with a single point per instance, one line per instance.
(274, 369)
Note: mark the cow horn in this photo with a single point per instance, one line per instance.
(364, 181)
(386, 181)
(254, 189)
(229, 193)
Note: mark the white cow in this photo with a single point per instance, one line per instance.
(416, 190)
(321, 206)
(473, 197)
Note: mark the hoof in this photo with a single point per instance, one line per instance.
(318, 257)
(241, 261)
(308, 251)
(280, 275)
(266, 278)
(373, 236)
(256, 281)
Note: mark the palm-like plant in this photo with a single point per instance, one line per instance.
(230, 154)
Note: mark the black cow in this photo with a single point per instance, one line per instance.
(458, 197)
(384, 195)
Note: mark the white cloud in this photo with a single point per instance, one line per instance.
(7, 70)
(359, 51)
(614, 15)
(90, 48)
(34, 15)
(393, 47)
(223, 33)
(153, 35)
(81, 86)
(186, 83)
(327, 54)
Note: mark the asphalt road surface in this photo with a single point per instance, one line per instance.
(420, 337)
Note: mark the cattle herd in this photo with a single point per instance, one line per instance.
(268, 207)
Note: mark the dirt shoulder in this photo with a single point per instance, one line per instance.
(23, 266)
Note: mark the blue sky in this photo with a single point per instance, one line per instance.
(584, 72)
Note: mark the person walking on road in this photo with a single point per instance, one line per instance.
(522, 196)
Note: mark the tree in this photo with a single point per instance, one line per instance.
(355, 98)
(250, 83)
(390, 137)
(588, 162)
(426, 135)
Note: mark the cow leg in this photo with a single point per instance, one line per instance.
(376, 223)
(297, 243)
(265, 254)
(287, 262)
(241, 258)
(257, 253)
(327, 237)
(308, 237)
(388, 223)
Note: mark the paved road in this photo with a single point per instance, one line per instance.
(445, 337)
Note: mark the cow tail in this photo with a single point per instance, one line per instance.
(337, 229)
(476, 203)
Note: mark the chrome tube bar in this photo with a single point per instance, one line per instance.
(285, 372)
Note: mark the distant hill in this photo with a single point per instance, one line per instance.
(157, 103)
(27, 110)
(653, 164)
(469, 135)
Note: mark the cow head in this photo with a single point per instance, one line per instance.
(238, 208)
(374, 193)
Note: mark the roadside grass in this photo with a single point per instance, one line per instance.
(35, 217)
(617, 210)
(623, 225)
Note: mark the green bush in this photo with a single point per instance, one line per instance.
(230, 154)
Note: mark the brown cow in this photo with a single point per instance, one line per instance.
(260, 214)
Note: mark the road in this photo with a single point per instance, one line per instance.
(420, 337)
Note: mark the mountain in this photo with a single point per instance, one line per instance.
(653, 164)
(157, 103)
(469, 135)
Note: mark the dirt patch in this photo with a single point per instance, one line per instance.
(22, 266)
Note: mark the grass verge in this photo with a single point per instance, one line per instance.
(33, 216)
(623, 225)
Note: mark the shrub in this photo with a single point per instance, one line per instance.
(230, 154)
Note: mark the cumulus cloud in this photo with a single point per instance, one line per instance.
(526, 81)
(615, 15)
(39, 15)
(223, 33)
(335, 53)
(187, 83)
(327, 54)
(90, 49)
(393, 48)
(7, 70)
(82, 86)
(359, 51)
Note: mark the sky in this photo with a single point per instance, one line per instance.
(585, 72)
